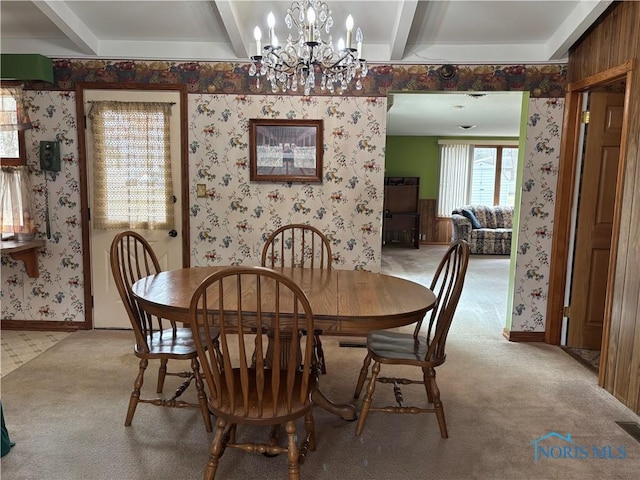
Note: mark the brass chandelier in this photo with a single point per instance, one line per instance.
(309, 56)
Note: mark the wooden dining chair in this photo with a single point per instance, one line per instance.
(425, 350)
(132, 258)
(299, 245)
(241, 301)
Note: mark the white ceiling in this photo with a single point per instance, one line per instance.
(398, 31)
(495, 114)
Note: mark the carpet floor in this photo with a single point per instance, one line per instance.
(65, 411)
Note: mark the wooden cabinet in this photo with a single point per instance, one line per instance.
(401, 218)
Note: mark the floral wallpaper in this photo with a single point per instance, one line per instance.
(536, 214)
(57, 294)
(230, 224)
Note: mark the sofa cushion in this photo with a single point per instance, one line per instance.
(471, 217)
(492, 216)
(491, 241)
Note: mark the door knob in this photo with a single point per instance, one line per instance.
(173, 233)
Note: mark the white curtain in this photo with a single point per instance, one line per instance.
(16, 205)
(132, 165)
(454, 177)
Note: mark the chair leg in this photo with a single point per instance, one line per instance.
(366, 402)
(217, 449)
(202, 396)
(437, 404)
(427, 373)
(216, 347)
(363, 375)
(274, 440)
(311, 430)
(135, 394)
(292, 451)
(162, 373)
(319, 352)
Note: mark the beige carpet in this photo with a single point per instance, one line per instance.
(65, 410)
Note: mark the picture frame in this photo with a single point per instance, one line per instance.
(285, 150)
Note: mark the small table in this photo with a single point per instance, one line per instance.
(344, 302)
(406, 224)
(25, 251)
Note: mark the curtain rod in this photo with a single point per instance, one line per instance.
(119, 101)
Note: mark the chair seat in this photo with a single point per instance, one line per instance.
(395, 347)
(266, 416)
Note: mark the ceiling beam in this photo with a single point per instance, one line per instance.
(400, 34)
(70, 24)
(231, 25)
(580, 19)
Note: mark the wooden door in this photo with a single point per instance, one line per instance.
(108, 310)
(595, 220)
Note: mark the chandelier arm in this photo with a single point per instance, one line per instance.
(283, 66)
(340, 60)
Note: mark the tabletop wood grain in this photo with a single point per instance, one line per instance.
(344, 302)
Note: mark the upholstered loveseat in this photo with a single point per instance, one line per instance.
(487, 229)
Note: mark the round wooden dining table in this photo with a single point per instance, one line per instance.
(344, 302)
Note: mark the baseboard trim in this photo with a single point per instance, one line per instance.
(38, 325)
(523, 336)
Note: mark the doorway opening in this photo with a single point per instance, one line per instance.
(415, 124)
(592, 222)
(565, 240)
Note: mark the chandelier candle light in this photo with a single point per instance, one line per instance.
(302, 59)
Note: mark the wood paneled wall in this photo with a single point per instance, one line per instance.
(614, 40)
(433, 229)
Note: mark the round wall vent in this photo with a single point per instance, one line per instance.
(447, 71)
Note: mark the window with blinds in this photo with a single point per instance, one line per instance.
(493, 176)
(476, 175)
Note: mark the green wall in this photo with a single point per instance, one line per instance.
(414, 157)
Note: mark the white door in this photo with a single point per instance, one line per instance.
(108, 311)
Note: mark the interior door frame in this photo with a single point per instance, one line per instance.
(567, 173)
(84, 181)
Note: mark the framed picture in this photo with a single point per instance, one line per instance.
(285, 150)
